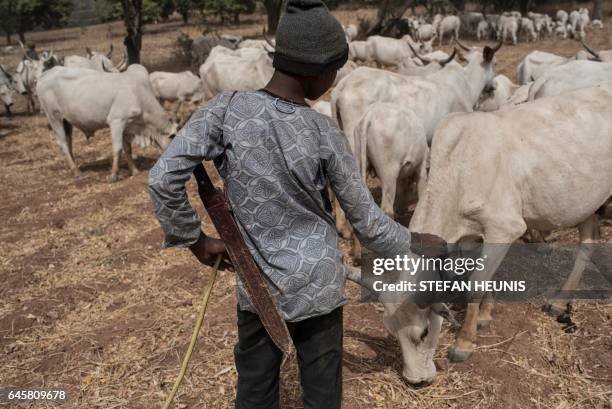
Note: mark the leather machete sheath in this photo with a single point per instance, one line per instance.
(243, 262)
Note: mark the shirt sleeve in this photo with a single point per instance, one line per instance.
(200, 139)
(373, 227)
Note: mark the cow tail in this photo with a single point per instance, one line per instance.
(360, 142)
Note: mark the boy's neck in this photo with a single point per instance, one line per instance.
(287, 86)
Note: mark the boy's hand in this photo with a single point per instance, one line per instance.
(206, 250)
(428, 245)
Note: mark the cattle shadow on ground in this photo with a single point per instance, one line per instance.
(387, 350)
(103, 165)
(7, 129)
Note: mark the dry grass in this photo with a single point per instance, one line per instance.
(90, 303)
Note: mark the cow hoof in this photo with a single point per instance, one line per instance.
(455, 355)
(113, 178)
(553, 311)
(483, 324)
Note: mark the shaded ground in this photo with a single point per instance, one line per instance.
(89, 302)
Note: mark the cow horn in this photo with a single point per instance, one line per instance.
(498, 46)
(265, 36)
(449, 59)
(590, 50)
(460, 44)
(110, 52)
(5, 72)
(424, 60)
(22, 46)
(123, 64)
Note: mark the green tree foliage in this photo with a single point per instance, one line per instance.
(19, 16)
(110, 10)
(225, 9)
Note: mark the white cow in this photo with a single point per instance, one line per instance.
(527, 27)
(519, 97)
(425, 32)
(449, 24)
(323, 107)
(573, 20)
(583, 21)
(571, 76)
(96, 61)
(451, 89)
(508, 28)
(470, 20)
(359, 51)
(346, 69)
(561, 30)
(182, 87)
(396, 146)
(241, 71)
(483, 30)
(536, 63)
(92, 100)
(261, 44)
(7, 89)
(387, 51)
(351, 31)
(513, 187)
(28, 73)
(429, 65)
(492, 98)
(562, 17)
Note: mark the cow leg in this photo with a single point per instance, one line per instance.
(589, 234)
(176, 110)
(342, 224)
(127, 148)
(422, 178)
(441, 37)
(8, 111)
(464, 345)
(389, 178)
(484, 312)
(63, 137)
(117, 127)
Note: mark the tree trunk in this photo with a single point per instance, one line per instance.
(8, 38)
(132, 17)
(459, 5)
(273, 10)
(598, 10)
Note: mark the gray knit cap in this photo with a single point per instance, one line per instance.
(309, 40)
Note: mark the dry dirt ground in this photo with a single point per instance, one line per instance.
(89, 302)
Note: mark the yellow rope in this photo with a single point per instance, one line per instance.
(194, 335)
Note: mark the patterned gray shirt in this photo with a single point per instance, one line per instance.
(276, 159)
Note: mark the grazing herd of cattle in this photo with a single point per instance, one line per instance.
(489, 158)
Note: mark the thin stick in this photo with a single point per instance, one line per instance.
(194, 335)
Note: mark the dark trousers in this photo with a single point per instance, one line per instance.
(318, 342)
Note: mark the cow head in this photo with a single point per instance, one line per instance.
(6, 95)
(104, 63)
(417, 331)
(480, 68)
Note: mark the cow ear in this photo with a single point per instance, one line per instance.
(488, 54)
